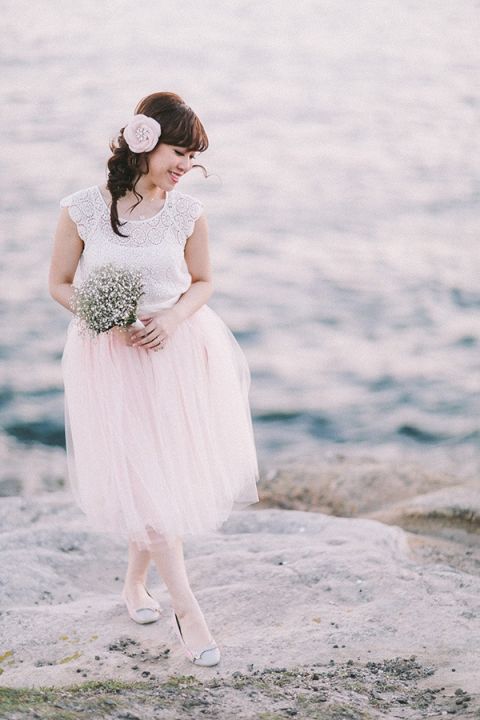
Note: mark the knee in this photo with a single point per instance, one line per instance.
(155, 538)
(160, 541)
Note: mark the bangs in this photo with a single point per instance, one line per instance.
(185, 131)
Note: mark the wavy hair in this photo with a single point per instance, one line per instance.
(180, 127)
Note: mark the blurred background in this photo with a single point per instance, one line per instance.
(343, 209)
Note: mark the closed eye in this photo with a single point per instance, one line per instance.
(183, 154)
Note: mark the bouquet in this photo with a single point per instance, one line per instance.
(108, 297)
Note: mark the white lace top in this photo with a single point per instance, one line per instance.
(155, 246)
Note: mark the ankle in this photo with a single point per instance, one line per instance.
(133, 584)
(187, 608)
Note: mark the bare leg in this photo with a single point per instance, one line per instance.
(170, 563)
(138, 562)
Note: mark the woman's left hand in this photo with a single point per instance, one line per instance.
(159, 326)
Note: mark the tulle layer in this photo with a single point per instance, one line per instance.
(159, 442)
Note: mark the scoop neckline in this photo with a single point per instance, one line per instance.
(167, 196)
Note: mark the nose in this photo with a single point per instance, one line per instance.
(185, 163)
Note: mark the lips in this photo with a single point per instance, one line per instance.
(174, 176)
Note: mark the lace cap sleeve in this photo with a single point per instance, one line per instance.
(193, 208)
(197, 208)
(81, 209)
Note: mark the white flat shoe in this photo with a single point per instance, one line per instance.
(210, 655)
(143, 616)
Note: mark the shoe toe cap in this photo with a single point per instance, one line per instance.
(146, 615)
(210, 656)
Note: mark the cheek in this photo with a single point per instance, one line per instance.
(157, 166)
(159, 161)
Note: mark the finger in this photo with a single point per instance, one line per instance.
(159, 346)
(149, 343)
(138, 332)
(156, 344)
(142, 337)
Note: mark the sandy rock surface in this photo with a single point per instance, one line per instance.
(349, 486)
(278, 588)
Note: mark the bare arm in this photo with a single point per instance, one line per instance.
(67, 248)
(197, 257)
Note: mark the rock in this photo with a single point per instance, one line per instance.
(456, 507)
(261, 613)
(347, 486)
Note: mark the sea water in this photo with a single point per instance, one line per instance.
(342, 202)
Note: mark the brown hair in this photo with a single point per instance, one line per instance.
(180, 126)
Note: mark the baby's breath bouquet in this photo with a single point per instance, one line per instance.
(108, 297)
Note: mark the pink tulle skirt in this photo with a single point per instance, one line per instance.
(159, 442)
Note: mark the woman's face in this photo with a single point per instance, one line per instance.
(167, 164)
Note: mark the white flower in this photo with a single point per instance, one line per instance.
(141, 133)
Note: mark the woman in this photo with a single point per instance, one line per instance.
(159, 436)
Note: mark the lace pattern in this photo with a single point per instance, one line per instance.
(154, 246)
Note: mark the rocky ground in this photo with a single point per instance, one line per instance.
(351, 591)
(333, 692)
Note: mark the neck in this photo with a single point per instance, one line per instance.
(150, 191)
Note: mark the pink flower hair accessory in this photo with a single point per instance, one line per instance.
(141, 133)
